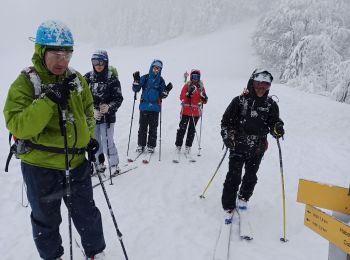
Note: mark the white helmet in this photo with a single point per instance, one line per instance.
(262, 75)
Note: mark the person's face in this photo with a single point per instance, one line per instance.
(57, 61)
(155, 70)
(99, 65)
(261, 87)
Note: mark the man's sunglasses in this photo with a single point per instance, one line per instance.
(59, 55)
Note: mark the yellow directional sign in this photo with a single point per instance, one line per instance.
(324, 196)
(328, 227)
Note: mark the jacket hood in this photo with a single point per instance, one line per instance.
(101, 55)
(157, 63)
(154, 80)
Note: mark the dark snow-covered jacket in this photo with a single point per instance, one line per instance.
(249, 117)
(152, 88)
(105, 90)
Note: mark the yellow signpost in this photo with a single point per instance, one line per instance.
(324, 196)
(331, 197)
(328, 227)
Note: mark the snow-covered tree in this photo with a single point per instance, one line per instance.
(341, 92)
(138, 22)
(305, 42)
(314, 58)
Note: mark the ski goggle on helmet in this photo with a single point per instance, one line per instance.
(195, 77)
(98, 62)
(99, 57)
(195, 74)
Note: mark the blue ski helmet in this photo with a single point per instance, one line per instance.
(100, 55)
(54, 33)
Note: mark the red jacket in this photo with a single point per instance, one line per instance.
(191, 106)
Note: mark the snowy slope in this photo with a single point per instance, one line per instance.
(157, 206)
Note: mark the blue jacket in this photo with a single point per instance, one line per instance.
(152, 89)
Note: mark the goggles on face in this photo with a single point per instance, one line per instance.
(263, 84)
(195, 77)
(59, 55)
(98, 62)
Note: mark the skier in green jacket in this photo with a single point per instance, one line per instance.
(43, 98)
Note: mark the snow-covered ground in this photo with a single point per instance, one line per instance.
(157, 206)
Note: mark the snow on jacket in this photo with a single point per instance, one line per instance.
(249, 115)
(152, 86)
(191, 105)
(106, 90)
(38, 120)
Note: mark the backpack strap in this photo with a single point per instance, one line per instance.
(35, 79)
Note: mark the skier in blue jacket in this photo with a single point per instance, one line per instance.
(153, 91)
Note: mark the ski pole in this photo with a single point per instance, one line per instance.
(283, 239)
(24, 188)
(160, 130)
(132, 118)
(194, 125)
(217, 169)
(107, 143)
(200, 131)
(68, 192)
(119, 234)
(182, 109)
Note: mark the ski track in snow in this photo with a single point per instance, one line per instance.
(157, 206)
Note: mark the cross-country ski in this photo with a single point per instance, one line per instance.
(222, 248)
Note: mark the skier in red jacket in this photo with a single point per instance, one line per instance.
(192, 98)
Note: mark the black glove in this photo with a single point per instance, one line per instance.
(164, 94)
(277, 131)
(92, 149)
(190, 91)
(228, 138)
(168, 87)
(59, 92)
(93, 146)
(136, 76)
(166, 90)
(204, 96)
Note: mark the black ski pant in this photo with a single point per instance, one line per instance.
(190, 122)
(148, 123)
(250, 157)
(45, 190)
